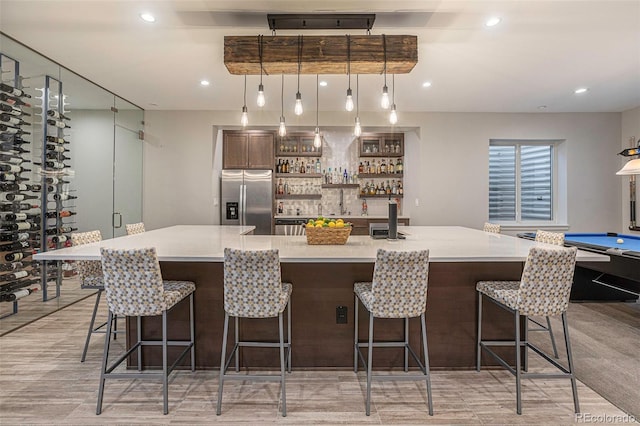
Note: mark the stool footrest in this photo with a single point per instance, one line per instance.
(255, 377)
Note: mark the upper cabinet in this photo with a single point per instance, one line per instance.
(297, 144)
(248, 149)
(382, 145)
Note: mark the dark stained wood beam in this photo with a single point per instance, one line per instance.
(320, 54)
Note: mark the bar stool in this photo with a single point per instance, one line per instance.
(491, 227)
(398, 290)
(90, 274)
(544, 289)
(253, 289)
(555, 238)
(135, 228)
(134, 287)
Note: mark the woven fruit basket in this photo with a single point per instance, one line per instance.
(325, 235)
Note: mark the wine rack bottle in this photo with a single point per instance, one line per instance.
(57, 115)
(11, 257)
(18, 294)
(13, 91)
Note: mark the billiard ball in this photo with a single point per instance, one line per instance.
(619, 241)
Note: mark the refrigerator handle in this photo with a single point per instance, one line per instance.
(241, 206)
(244, 206)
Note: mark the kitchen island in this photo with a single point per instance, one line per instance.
(322, 278)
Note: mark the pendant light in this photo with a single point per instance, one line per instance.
(349, 103)
(298, 108)
(261, 100)
(393, 116)
(384, 101)
(244, 119)
(282, 130)
(357, 131)
(317, 139)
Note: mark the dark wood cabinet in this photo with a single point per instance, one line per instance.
(381, 145)
(360, 226)
(248, 149)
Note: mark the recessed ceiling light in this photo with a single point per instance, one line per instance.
(426, 84)
(153, 104)
(323, 83)
(147, 17)
(493, 21)
(542, 107)
(204, 82)
(580, 90)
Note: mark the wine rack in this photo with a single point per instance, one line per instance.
(18, 195)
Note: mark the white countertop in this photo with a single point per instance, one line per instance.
(335, 216)
(206, 243)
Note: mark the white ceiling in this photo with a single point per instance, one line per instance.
(538, 55)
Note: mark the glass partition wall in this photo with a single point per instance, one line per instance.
(101, 170)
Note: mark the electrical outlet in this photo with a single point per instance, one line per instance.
(417, 202)
(341, 315)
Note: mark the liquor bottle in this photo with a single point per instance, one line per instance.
(12, 100)
(18, 294)
(56, 148)
(13, 110)
(280, 188)
(318, 166)
(59, 124)
(345, 176)
(13, 130)
(17, 197)
(387, 189)
(23, 236)
(399, 168)
(391, 168)
(12, 257)
(302, 169)
(55, 139)
(63, 197)
(400, 190)
(383, 167)
(13, 120)
(17, 245)
(360, 168)
(57, 115)
(13, 91)
(279, 166)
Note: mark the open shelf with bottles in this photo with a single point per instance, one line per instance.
(298, 196)
(380, 175)
(298, 175)
(340, 185)
(387, 196)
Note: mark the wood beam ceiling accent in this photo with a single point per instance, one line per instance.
(320, 54)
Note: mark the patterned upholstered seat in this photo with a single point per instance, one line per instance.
(134, 287)
(90, 274)
(398, 290)
(544, 289)
(556, 238)
(491, 227)
(135, 228)
(253, 289)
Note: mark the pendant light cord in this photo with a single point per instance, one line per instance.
(245, 90)
(393, 89)
(317, 100)
(260, 40)
(357, 95)
(282, 97)
(299, 59)
(384, 49)
(349, 58)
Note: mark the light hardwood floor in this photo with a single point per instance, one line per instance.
(43, 382)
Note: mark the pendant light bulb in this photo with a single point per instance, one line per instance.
(393, 116)
(384, 102)
(357, 131)
(261, 99)
(298, 108)
(317, 139)
(244, 120)
(282, 130)
(349, 104)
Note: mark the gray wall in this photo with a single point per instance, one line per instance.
(630, 129)
(446, 163)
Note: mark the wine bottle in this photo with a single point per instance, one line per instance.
(23, 236)
(15, 121)
(59, 124)
(56, 114)
(59, 239)
(56, 148)
(13, 91)
(10, 177)
(13, 110)
(57, 156)
(12, 159)
(14, 276)
(12, 100)
(12, 168)
(19, 216)
(55, 181)
(17, 226)
(16, 207)
(52, 164)
(12, 257)
(17, 245)
(13, 130)
(55, 139)
(11, 266)
(63, 197)
(17, 197)
(18, 294)
(62, 213)
(66, 229)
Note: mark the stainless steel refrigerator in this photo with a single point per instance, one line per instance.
(246, 199)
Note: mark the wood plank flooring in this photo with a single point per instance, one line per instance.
(43, 382)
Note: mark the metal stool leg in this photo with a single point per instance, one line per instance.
(526, 339)
(369, 359)
(425, 348)
(574, 386)
(406, 345)
(223, 354)
(91, 324)
(103, 370)
(165, 372)
(282, 366)
(518, 366)
(192, 333)
(139, 331)
(479, 348)
(289, 335)
(237, 336)
(115, 327)
(553, 340)
(355, 339)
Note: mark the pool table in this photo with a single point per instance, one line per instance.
(618, 279)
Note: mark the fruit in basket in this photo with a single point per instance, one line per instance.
(332, 224)
(340, 224)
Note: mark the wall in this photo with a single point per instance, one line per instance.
(446, 158)
(630, 129)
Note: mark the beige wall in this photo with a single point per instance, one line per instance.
(446, 163)
(630, 129)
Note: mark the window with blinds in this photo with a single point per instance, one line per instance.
(520, 182)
